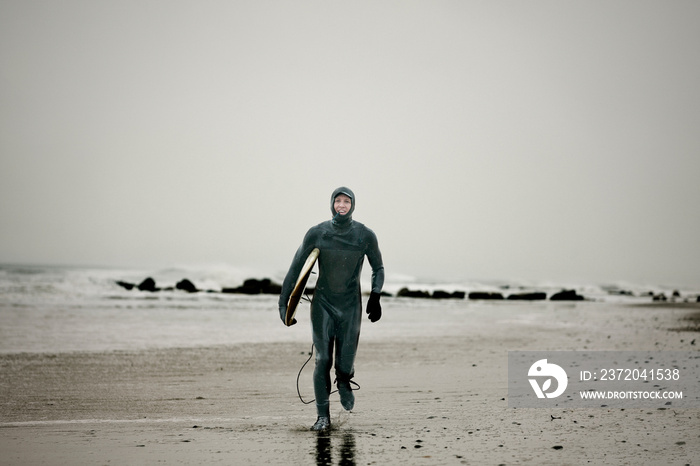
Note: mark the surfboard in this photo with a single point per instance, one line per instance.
(298, 290)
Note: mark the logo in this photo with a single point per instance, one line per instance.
(543, 369)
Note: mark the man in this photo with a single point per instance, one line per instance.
(336, 308)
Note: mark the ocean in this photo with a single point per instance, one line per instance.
(51, 309)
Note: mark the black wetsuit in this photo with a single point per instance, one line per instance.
(336, 309)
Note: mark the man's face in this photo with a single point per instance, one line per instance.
(342, 204)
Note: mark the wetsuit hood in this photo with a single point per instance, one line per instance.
(342, 219)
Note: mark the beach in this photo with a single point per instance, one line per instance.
(515, 180)
(432, 392)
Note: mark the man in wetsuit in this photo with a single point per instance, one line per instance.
(336, 309)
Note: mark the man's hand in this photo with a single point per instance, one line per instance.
(283, 314)
(374, 309)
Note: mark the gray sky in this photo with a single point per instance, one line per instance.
(484, 139)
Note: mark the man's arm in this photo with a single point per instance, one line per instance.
(297, 263)
(374, 255)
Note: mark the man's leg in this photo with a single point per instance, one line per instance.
(323, 338)
(322, 376)
(347, 340)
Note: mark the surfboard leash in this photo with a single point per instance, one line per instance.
(305, 297)
(299, 375)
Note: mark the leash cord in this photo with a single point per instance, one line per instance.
(306, 298)
(299, 375)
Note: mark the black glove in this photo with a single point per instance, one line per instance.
(374, 309)
(283, 314)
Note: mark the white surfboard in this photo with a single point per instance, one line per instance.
(298, 290)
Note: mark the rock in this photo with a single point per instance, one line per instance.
(620, 293)
(485, 295)
(148, 284)
(126, 285)
(255, 286)
(534, 296)
(271, 287)
(186, 285)
(406, 293)
(251, 286)
(566, 295)
(439, 294)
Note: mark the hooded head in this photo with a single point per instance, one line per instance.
(342, 219)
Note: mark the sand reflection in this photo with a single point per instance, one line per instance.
(345, 451)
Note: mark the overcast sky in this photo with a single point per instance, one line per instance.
(483, 139)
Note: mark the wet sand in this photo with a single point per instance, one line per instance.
(424, 400)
